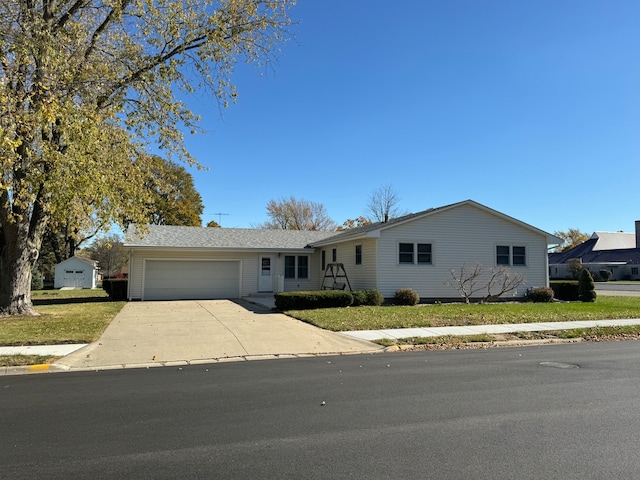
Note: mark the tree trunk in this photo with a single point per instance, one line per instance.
(17, 257)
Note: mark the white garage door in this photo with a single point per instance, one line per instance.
(190, 280)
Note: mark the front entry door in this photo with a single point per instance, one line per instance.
(265, 281)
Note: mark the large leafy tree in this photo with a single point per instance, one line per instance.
(571, 238)
(174, 198)
(294, 214)
(350, 223)
(84, 86)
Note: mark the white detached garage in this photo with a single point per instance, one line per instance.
(76, 272)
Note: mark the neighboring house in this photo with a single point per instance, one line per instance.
(617, 252)
(76, 272)
(414, 251)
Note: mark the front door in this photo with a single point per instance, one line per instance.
(265, 280)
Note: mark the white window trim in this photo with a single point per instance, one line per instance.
(511, 247)
(296, 277)
(415, 253)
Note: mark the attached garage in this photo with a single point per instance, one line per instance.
(191, 279)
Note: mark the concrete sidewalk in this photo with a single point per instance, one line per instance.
(397, 333)
(43, 350)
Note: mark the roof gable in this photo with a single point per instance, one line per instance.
(374, 229)
(75, 260)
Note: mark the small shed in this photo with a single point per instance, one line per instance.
(76, 272)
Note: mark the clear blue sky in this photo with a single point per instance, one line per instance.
(529, 107)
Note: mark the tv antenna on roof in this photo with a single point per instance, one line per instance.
(219, 214)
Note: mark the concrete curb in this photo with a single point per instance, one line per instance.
(31, 369)
(61, 368)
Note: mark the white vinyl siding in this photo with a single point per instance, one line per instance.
(465, 235)
(364, 275)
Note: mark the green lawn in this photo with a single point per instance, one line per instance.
(66, 316)
(439, 315)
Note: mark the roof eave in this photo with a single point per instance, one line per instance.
(222, 249)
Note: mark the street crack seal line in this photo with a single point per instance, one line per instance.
(558, 365)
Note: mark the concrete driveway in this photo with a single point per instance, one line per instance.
(179, 332)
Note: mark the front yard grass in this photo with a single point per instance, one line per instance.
(441, 315)
(24, 360)
(66, 316)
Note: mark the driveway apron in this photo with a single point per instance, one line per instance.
(183, 331)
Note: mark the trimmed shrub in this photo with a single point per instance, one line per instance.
(374, 298)
(367, 297)
(567, 291)
(406, 296)
(541, 295)
(359, 298)
(313, 299)
(586, 287)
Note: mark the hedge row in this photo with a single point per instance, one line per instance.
(116, 288)
(326, 299)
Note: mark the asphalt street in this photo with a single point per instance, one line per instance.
(545, 412)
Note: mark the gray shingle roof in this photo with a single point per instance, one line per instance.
(224, 238)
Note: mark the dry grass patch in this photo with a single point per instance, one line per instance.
(25, 360)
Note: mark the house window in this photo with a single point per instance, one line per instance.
(634, 270)
(358, 254)
(519, 257)
(507, 255)
(424, 253)
(289, 266)
(414, 253)
(334, 255)
(405, 253)
(303, 266)
(502, 255)
(324, 260)
(296, 267)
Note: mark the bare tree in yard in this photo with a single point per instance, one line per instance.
(502, 281)
(86, 86)
(465, 281)
(470, 280)
(293, 214)
(383, 204)
(110, 254)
